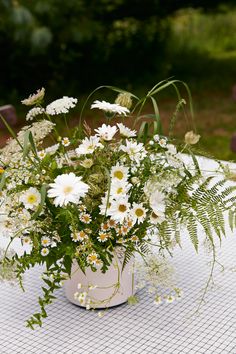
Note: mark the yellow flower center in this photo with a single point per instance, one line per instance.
(67, 189)
(122, 208)
(119, 190)
(139, 212)
(93, 257)
(119, 174)
(154, 216)
(103, 236)
(31, 199)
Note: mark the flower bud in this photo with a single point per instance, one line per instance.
(124, 100)
(87, 163)
(191, 138)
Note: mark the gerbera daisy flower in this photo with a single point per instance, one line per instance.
(106, 132)
(110, 107)
(67, 188)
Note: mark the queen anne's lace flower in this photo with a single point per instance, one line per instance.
(62, 105)
(110, 107)
(34, 112)
(34, 98)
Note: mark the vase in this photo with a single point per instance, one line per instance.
(101, 290)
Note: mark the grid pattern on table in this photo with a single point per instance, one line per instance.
(142, 329)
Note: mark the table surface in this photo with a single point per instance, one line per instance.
(144, 328)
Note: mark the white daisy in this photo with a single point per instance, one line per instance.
(157, 218)
(162, 142)
(67, 188)
(126, 132)
(110, 107)
(119, 172)
(136, 151)
(106, 132)
(65, 141)
(103, 236)
(85, 218)
(34, 98)
(41, 154)
(88, 145)
(26, 240)
(92, 258)
(45, 241)
(61, 105)
(119, 209)
(138, 212)
(44, 251)
(31, 198)
(79, 236)
(119, 188)
(157, 202)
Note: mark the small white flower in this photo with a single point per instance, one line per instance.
(151, 142)
(126, 132)
(103, 236)
(156, 138)
(45, 241)
(120, 172)
(119, 209)
(26, 240)
(62, 105)
(34, 98)
(138, 213)
(136, 151)
(110, 107)
(92, 258)
(65, 141)
(85, 218)
(67, 188)
(162, 142)
(31, 198)
(119, 188)
(106, 132)
(44, 252)
(88, 145)
(79, 236)
(41, 154)
(34, 112)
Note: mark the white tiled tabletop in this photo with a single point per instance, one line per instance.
(142, 329)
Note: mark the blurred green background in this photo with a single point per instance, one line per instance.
(71, 47)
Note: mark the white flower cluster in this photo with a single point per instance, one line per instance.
(34, 112)
(62, 105)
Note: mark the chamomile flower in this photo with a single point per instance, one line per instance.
(157, 300)
(170, 299)
(44, 251)
(41, 154)
(110, 107)
(79, 236)
(85, 218)
(162, 142)
(103, 236)
(134, 238)
(119, 209)
(136, 151)
(45, 241)
(88, 145)
(120, 172)
(106, 132)
(126, 132)
(112, 223)
(105, 226)
(92, 258)
(62, 105)
(65, 141)
(67, 188)
(30, 198)
(138, 212)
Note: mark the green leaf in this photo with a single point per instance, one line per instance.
(43, 193)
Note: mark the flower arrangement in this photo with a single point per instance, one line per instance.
(90, 193)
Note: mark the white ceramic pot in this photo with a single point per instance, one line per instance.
(101, 290)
